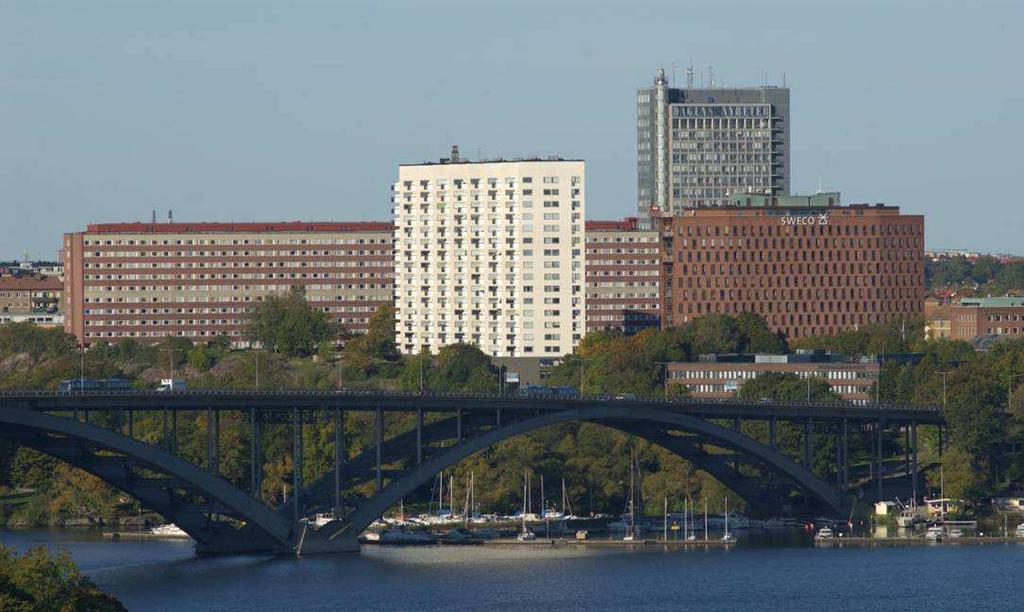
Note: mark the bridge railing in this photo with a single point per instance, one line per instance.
(513, 397)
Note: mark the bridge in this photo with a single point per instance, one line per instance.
(225, 518)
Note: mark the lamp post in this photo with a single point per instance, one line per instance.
(81, 364)
(583, 368)
(665, 377)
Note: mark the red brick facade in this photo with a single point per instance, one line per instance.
(807, 271)
(196, 280)
(623, 276)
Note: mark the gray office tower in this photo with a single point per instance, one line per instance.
(699, 145)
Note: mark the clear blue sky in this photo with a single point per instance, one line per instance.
(239, 111)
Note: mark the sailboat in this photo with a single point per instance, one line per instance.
(525, 534)
(631, 531)
(727, 537)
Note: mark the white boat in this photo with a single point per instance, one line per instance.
(955, 532)
(824, 534)
(372, 536)
(404, 536)
(1020, 530)
(169, 530)
(526, 536)
(582, 534)
(727, 537)
(934, 533)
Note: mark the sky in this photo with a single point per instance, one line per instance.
(240, 111)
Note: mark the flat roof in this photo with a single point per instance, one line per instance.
(26, 283)
(513, 160)
(244, 227)
(993, 302)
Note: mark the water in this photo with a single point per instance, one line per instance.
(163, 575)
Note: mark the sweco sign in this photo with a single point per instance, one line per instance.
(819, 219)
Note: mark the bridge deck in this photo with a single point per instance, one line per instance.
(276, 401)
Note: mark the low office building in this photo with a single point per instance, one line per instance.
(490, 253)
(197, 280)
(623, 274)
(810, 268)
(30, 295)
(972, 318)
(722, 376)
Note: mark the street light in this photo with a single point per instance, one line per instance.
(583, 367)
(665, 363)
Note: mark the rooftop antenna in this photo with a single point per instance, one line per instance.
(711, 76)
(170, 216)
(819, 184)
(689, 75)
(674, 66)
(154, 216)
(783, 80)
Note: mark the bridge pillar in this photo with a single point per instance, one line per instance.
(497, 416)
(297, 460)
(210, 465)
(174, 431)
(846, 458)
(458, 425)
(339, 457)
(878, 457)
(807, 443)
(771, 432)
(255, 467)
(913, 451)
(419, 436)
(378, 436)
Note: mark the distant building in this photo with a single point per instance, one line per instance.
(490, 253)
(623, 265)
(30, 295)
(198, 280)
(721, 376)
(696, 146)
(973, 318)
(809, 270)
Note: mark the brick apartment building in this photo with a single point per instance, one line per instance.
(196, 280)
(808, 270)
(623, 284)
(32, 299)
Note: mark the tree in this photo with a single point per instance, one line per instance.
(40, 581)
(286, 324)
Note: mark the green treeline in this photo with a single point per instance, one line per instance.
(983, 445)
(984, 275)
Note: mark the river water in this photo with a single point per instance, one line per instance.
(164, 575)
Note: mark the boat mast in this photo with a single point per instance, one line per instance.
(726, 515)
(705, 518)
(526, 478)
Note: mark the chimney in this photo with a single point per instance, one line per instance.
(455, 154)
(170, 216)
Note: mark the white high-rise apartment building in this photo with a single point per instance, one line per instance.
(491, 254)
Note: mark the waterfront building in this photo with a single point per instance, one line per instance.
(808, 270)
(197, 280)
(623, 276)
(696, 146)
(972, 318)
(722, 376)
(490, 253)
